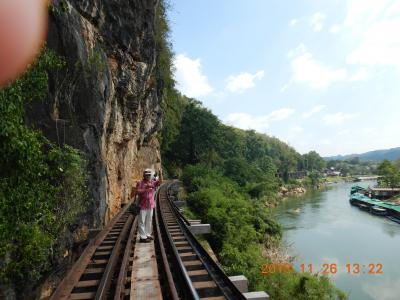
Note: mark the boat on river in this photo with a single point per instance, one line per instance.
(363, 206)
(377, 210)
(358, 189)
(394, 219)
(375, 206)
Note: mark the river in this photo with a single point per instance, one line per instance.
(322, 227)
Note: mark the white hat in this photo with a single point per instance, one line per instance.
(148, 171)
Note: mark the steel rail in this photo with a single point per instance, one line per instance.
(224, 284)
(188, 282)
(66, 286)
(105, 281)
(120, 287)
(171, 285)
(177, 209)
(229, 290)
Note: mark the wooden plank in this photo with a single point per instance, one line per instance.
(95, 261)
(145, 283)
(86, 283)
(105, 248)
(192, 263)
(102, 253)
(187, 254)
(81, 296)
(198, 272)
(204, 285)
(95, 270)
(182, 243)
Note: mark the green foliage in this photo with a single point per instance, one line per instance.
(163, 47)
(58, 7)
(95, 63)
(314, 178)
(353, 167)
(301, 287)
(312, 161)
(218, 200)
(69, 177)
(241, 227)
(42, 186)
(390, 174)
(197, 135)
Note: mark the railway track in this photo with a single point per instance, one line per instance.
(175, 266)
(199, 277)
(93, 275)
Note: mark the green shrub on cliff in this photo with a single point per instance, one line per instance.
(42, 186)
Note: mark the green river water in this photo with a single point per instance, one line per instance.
(322, 227)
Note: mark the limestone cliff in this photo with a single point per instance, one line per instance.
(106, 101)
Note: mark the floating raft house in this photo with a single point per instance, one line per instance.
(393, 209)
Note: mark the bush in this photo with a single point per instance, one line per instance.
(42, 186)
(241, 227)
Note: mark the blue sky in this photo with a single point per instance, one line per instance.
(319, 75)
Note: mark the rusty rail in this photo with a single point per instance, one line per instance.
(90, 277)
(120, 291)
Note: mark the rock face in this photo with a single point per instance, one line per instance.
(106, 101)
(283, 192)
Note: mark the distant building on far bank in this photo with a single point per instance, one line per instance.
(332, 172)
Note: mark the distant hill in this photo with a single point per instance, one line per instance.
(390, 154)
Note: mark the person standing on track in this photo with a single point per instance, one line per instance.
(145, 190)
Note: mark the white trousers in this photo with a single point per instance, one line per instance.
(145, 218)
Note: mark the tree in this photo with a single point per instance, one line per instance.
(313, 161)
(391, 176)
(314, 178)
(42, 185)
(198, 134)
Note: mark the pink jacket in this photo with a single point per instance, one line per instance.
(146, 198)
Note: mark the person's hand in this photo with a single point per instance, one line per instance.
(22, 33)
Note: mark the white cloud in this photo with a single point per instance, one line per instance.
(375, 25)
(380, 45)
(258, 123)
(361, 74)
(368, 131)
(190, 80)
(293, 22)
(364, 11)
(334, 29)
(297, 129)
(326, 142)
(313, 111)
(317, 21)
(243, 81)
(337, 118)
(281, 114)
(312, 72)
(285, 87)
(344, 132)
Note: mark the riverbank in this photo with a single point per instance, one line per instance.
(301, 186)
(285, 191)
(317, 238)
